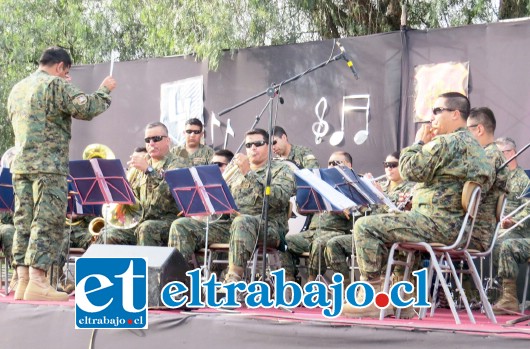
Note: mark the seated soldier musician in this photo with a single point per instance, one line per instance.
(198, 154)
(248, 188)
(323, 227)
(151, 191)
(443, 158)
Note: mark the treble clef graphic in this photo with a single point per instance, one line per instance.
(320, 128)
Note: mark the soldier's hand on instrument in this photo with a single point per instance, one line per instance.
(424, 133)
(242, 163)
(109, 83)
(139, 162)
(507, 223)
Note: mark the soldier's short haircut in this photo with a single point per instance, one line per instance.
(259, 131)
(395, 154)
(157, 124)
(278, 131)
(53, 55)
(225, 153)
(485, 117)
(345, 154)
(506, 141)
(457, 101)
(194, 122)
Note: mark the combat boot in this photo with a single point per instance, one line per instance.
(39, 289)
(23, 279)
(234, 274)
(508, 303)
(404, 313)
(370, 311)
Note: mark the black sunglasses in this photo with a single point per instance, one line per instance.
(392, 164)
(220, 164)
(155, 139)
(439, 110)
(274, 142)
(193, 131)
(335, 163)
(257, 144)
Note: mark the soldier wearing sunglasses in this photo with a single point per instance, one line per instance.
(302, 156)
(151, 191)
(199, 154)
(444, 156)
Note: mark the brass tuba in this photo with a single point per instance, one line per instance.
(93, 151)
(97, 151)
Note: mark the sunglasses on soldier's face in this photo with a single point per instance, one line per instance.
(390, 164)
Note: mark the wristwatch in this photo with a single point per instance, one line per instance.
(149, 170)
(420, 142)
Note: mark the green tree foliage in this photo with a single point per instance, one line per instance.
(136, 29)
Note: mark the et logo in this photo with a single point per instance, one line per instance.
(111, 293)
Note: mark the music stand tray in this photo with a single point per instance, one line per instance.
(7, 196)
(201, 191)
(101, 181)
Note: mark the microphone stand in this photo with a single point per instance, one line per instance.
(272, 92)
(513, 157)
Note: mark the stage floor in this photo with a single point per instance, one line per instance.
(51, 325)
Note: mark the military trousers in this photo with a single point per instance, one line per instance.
(188, 235)
(40, 213)
(512, 253)
(7, 231)
(373, 235)
(312, 241)
(246, 233)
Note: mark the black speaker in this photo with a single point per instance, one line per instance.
(164, 264)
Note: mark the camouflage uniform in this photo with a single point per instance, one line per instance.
(159, 207)
(440, 167)
(302, 157)
(188, 235)
(7, 230)
(201, 156)
(485, 222)
(339, 248)
(248, 193)
(323, 227)
(513, 252)
(41, 108)
(517, 183)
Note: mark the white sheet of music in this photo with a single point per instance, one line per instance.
(382, 196)
(327, 191)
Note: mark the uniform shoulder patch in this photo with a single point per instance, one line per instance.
(80, 100)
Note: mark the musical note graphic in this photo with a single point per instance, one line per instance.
(214, 122)
(229, 131)
(320, 128)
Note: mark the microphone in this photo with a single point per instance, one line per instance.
(348, 60)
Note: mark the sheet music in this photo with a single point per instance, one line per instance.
(382, 196)
(327, 191)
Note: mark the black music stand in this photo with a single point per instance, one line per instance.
(317, 191)
(7, 196)
(101, 181)
(201, 191)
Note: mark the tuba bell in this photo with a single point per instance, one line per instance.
(93, 151)
(97, 151)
